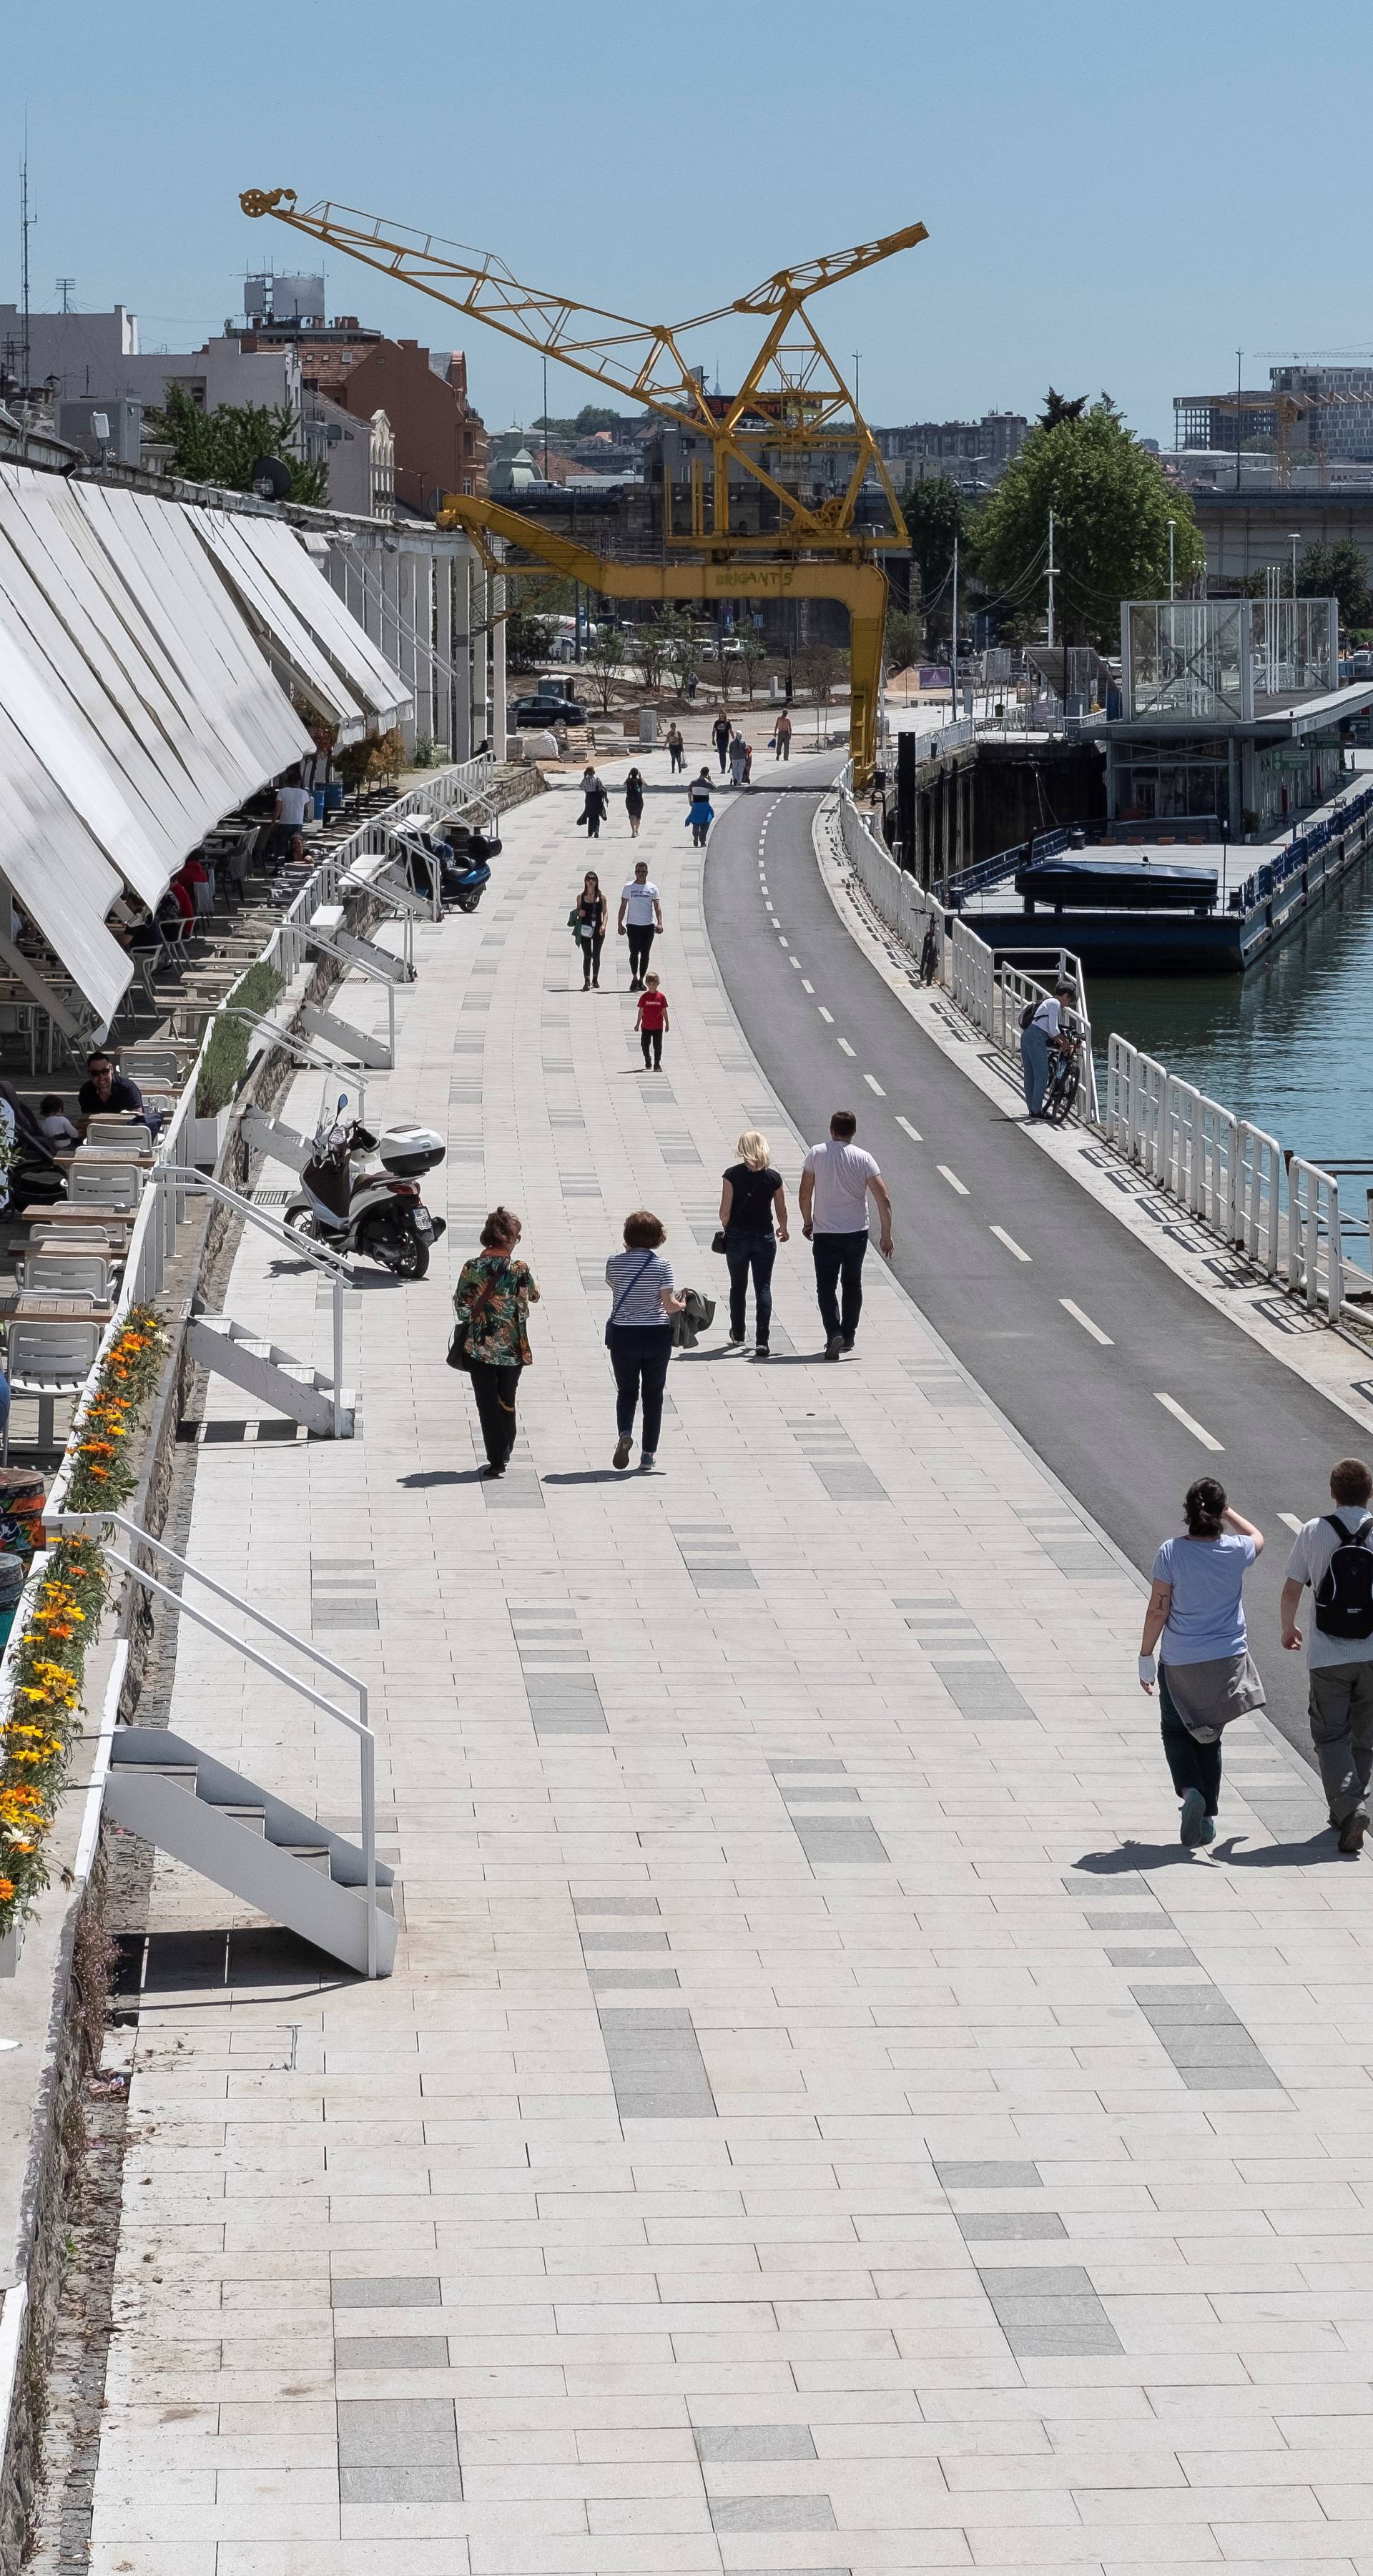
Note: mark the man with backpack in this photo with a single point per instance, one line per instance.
(1335, 1557)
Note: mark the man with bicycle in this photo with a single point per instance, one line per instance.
(1042, 1039)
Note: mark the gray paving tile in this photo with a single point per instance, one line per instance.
(626, 1904)
(987, 2173)
(772, 2513)
(755, 2442)
(398, 2291)
(656, 2064)
(386, 2432)
(391, 2352)
(409, 2483)
(646, 1940)
(1010, 2226)
(1049, 2309)
(786, 1764)
(634, 1980)
(843, 1843)
(981, 1693)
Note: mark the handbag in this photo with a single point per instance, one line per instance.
(459, 1352)
(717, 1240)
(624, 1292)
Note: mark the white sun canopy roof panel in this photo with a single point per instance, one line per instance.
(52, 861)
(367, 671)
(288, 636)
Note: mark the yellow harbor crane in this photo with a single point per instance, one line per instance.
(792, 411)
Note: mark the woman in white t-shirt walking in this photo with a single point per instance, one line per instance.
(1205, 1673)
(638, 1333)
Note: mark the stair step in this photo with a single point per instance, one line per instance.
(255, 1818)
(313, 1855)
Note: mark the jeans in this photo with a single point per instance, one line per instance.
(639, 1355)
(745, 1253)
(640, 936)
(1341, 1713)
(723, 749)
(591, 958)
(494, 1389)
(1192, 1765)
(1034, 1057)
(677, 755)
(839, 1264)
(593, 825)
(652, 1038)
(783, 751)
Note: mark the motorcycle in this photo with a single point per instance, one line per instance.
(461, 855)
(376, 1209)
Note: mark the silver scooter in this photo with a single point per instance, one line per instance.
(375, 1208)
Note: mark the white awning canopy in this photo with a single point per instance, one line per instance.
(369, 675)
(287, 638)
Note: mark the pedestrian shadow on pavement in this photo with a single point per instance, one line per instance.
(590, 1476)
(1315, 1852)
(1133, 1856)
(1318, 1851)
(442, 1476)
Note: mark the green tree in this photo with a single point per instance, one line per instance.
(752, 653)
(1337, 572)
(903, 639)
(1111, 503)
(935, 513)
(605, 660)
(1059, 407)
(222, 446)
(528, 640)
(680, 651)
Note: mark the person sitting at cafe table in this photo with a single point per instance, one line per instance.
(106, 1093)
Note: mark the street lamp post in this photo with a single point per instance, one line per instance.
(1172, 583)
(1294, 538)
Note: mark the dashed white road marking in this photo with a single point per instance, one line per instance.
(805, 986)
(796, 962)
(1070, 1308)
(874, 1085)
(1188, 1420)
(1010, 1242)
(1292, 1522)
(848, 1050)
(913, 1132)
(825, 1015)
(952, 1179)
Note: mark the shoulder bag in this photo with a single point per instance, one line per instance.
(624, 1292)
(459, 1348)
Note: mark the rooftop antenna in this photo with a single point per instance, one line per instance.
(64, 289)
(26, 224)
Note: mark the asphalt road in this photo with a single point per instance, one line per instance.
(1081, 1381)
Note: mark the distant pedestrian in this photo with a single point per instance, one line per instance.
(752, 1194)
(1335, 1557)
(595, 806)
(738, 759)
(634, 802)
(493, 1297)
(748, 763)
(293, 808)
(721, 731)
(1039, 1035)
(836, 1179)
(641, 915)
(653, 1023)
(639, 1332)
(700, 811)
(929, 952)
(781, 737)
(676, 749)
(1205, 1673)
(589, 916)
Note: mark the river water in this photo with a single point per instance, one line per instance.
(1288, 1046)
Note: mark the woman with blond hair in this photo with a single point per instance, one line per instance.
(751, 1195)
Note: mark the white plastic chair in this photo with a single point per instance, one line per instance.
(50, 1360)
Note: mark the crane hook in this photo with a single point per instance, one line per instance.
(265, 201)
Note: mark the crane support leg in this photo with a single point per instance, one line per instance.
(860, 587)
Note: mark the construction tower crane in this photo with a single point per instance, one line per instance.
(792, 408)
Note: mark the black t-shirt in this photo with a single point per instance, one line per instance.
(750, 1209)
(124, 1095)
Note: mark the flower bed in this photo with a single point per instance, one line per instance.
(48, 1662)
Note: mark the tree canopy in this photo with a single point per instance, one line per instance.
(1337, 572)
(936, 513)
(222, 446)
(589, 419)
(1111, 503)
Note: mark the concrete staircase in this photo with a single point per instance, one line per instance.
(290, 1386)
(247, 1840)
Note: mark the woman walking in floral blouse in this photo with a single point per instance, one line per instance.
(493, 1297)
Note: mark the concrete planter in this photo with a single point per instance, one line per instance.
(207, 1136)
(11, 1950)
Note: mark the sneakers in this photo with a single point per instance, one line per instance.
(1193, 1819)
(648, 1458)
(761, 1351)
(1208, 1829)
(846, 1341)
(736, 1341)
(622, 1449)
(834, 1345)
(1352, 1831)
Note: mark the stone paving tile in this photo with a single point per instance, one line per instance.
(699, 2196)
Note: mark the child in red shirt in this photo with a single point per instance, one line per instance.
(652, 1023)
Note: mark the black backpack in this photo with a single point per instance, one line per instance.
(1344, 1596)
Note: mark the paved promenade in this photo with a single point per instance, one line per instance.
(821, 2120)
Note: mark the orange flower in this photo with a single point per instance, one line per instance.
(6, 1890)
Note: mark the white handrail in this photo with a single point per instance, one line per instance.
(101, 1522)
(193, 1184)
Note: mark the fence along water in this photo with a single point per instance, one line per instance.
(1230, 1176)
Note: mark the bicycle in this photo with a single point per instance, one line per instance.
(1065, 1079)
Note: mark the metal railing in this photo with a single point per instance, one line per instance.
(180, 1183)
(99, 1524)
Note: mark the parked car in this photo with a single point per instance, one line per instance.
(549, 711)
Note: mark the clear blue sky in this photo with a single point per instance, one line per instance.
(1114, 197)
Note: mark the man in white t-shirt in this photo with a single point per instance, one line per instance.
(836, 1179)
(293, 804)
(641, 912)
(1038, 1039)
(1340, 1664)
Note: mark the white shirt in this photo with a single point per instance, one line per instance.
(639, 901)
(295, 804)
(1309, 1562)
(841, 1174)
(1048, 1016)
